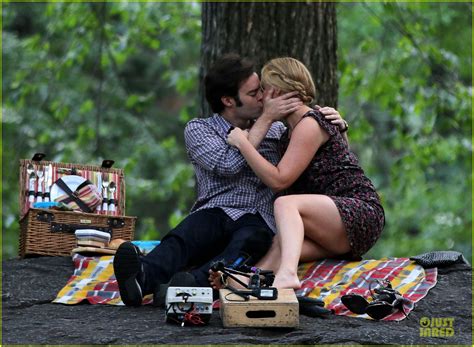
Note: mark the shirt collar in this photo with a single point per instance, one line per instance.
(223, 124)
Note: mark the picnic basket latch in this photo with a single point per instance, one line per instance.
(71, 228)
(116, 222)
(44, 216)
(61, 228)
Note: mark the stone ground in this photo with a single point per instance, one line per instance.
(29, 317)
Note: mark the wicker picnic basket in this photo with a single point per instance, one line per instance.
(51, 232)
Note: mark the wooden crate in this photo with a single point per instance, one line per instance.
(283, 312)
(51, 232)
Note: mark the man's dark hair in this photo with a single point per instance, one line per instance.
(225, 77)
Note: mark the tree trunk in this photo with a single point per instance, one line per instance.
(262, 31)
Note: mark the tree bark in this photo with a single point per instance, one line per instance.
(262, 31)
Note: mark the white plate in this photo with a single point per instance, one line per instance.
(72, 181)
(91, 233)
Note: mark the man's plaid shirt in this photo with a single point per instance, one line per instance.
(224, 179)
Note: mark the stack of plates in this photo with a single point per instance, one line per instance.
(92, 241)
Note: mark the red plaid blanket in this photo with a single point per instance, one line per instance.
(330, 279)
(93, 280)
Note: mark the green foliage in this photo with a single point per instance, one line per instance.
(84, 82)
(406, 88)
(88, 81)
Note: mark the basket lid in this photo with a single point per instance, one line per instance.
(37, 177)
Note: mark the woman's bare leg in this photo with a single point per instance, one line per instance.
(271, 260)
(314, 217)
(311, 251)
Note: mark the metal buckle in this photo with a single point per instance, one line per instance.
(116, 222)
(44, 216)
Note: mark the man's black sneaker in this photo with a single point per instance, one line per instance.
(129, 274)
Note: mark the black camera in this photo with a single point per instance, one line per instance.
(259, 284)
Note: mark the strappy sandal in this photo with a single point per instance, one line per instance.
(385, 301)
(355, 303)
(379, 310)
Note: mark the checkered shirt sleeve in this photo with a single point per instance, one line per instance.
(210, 151)
(224, 180)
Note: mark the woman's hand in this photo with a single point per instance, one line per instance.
(334, 116)
(236, 136)
(277, 107)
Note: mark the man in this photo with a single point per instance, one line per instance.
(233, 213)
(233, 206)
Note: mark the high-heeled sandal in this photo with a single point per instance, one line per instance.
(355, 303)
(385, 301)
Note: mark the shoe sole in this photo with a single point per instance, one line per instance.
(127, 266)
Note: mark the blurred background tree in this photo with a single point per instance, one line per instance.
(265, 30)
(87, 81)
(405, 86)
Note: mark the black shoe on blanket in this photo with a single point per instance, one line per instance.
(385, 301)
(129, 274)
(355, 303)
(312, 307)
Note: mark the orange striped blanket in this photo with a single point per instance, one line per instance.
(93, 280)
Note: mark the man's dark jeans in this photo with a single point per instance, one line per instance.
(202, 238)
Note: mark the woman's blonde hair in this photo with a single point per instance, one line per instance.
(288, 74)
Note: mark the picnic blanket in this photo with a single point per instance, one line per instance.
(93, 280)
(330, 279)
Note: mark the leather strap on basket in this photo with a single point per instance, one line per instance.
(73, 196)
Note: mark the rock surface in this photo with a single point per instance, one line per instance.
(29, 317)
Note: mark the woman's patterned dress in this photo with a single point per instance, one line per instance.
(335, 171)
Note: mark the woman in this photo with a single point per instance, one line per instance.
(328, 208)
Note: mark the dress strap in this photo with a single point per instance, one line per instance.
(331, 129)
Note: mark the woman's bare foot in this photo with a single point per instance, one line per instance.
(286, 280)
